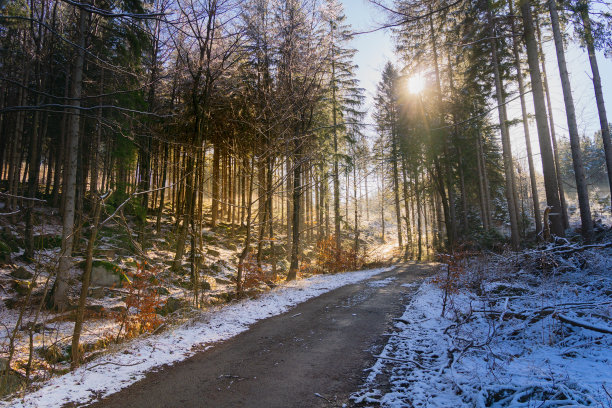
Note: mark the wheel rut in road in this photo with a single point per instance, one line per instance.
(314, 355)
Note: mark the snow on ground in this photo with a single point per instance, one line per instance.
(381, 283)
(132, 361)
(501, 342)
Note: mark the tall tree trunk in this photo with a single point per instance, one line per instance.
(532, 175)
(581, 185)
(553, 133)
(449, 201)
(601, 106)
(336, 170)
(297, 198)
(396, 193)
(34, 168)
(548, 163)
(76, 334)
(505, 138)
(60, 294)
(215, 184)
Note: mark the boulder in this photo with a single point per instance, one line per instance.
(106, 274)
(172, 305)
(23, 286)
(231, 246)
(5, 253)
(21, 273)
(160, 290)
(95, 309)
(222, 281)
(97, 292)
(213, 252)
(52, 354)
(118, 309)
(11, 383)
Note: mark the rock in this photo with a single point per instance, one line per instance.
(222, 281)
(97, 309)
(172, 305)
(213, 252)
(106, 274)
(21, 273)
(5, 253)
(209, 239)
(231, 246)
(118, 309)
(162, 291)
(23, 286)
(109, 253)
(52, 354)
(97, 293)
(13, 382)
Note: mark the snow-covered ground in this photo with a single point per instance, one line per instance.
(130, 362)
(506, 339)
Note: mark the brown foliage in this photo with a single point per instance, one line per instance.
(330, 259)
(141, 303)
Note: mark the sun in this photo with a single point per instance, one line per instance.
(416, 84)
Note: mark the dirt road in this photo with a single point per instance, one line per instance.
(312, 356)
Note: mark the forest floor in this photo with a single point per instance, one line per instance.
(528, 329)
(42, 338)
(326, 330)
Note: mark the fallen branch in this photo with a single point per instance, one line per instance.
(580, 323)
(401, 361)
(571, 250)
(113, 363)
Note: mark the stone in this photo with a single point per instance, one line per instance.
(222, 281)
(172, 305)
(97, 292)
(13, 383)
(162, 291)
(213, 252)
(52, 354)
(118, 309)
(23, 286)
(5, 253)
(21, 273)
(106, 274)
(97, 309)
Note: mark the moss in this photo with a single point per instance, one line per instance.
(12, 241)
(109, 266)
(5, 253)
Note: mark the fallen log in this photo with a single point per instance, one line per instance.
(583, 324)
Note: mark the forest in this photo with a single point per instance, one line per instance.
(162, 157)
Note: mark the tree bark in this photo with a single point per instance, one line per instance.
(505, 138)
(581, 185)
(60, 294)
(601, 106)
(553, 134)
(532, 176)
(548, 163)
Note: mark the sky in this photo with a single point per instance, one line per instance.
(375, 49)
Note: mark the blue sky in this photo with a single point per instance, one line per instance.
(375, 49)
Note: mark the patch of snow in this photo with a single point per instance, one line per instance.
(118, 370)
(497, 350)
(381, 283)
